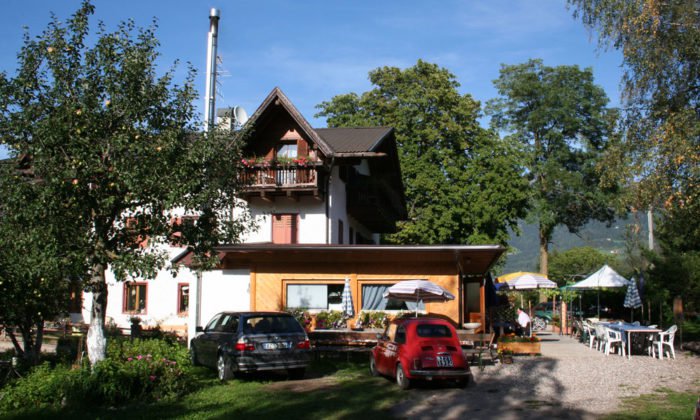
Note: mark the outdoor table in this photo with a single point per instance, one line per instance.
(629, 329)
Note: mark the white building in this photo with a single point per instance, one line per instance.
(307, 186)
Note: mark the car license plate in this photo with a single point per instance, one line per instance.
(444, 361)
(275, 346)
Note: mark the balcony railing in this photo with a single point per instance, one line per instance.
(282, 177)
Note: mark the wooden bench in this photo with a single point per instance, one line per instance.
(476, 346)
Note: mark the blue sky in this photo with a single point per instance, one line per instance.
(314, 50)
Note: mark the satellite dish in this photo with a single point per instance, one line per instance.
(239, 116)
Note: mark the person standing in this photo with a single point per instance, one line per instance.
(523, 324)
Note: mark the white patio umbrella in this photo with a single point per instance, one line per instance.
(605, 277)
(418, 290)
(530, 281)
(525, 281)
(346, 305)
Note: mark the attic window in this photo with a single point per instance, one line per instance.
(287, 150)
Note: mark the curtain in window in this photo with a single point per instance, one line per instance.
(373, 297)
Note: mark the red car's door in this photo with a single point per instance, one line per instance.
(387, 351)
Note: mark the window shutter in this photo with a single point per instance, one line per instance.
(284, 228)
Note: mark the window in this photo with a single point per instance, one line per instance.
(351, 236)
(373, 299)
(212, 323)
(315, 296)
(229, 323)
(183, 298)
(341, 231)
(400, 334)
(180, 225)
(284, 228)
(136, 228)
(287, 150)
(428, 330)
(135, 297)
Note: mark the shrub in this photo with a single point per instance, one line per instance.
(330, 320)
(138, 370)
(302, 316)
(374, 319)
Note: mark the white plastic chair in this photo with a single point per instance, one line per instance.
(614, 338)
(601, 337)
(649, 341)
(666, 339)
(590, 330)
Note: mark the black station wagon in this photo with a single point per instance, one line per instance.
(244, 342)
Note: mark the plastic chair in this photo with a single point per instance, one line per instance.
(666, 339)
(601, 337)
(589, 333)
(614, 338)
(649, 341)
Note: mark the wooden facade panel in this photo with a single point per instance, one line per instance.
(271, 283)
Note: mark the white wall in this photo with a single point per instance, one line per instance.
(161, 298)
(312, 217)
(224, 290)
(337, 207)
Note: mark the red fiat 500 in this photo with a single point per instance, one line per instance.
(419, 349)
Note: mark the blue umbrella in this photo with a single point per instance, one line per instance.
(632, 299)
(347, 307)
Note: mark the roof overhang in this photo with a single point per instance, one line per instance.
(471, 260)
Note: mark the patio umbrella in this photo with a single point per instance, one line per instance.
(605, 277)
(530, 281)
(418, 290)
(346, 304)
(632, 299)
(525, 281)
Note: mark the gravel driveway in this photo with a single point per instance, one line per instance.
(569, 380)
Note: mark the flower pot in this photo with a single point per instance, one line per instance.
(520, 347)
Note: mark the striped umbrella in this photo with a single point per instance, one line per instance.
(632, 299)
(347, 307)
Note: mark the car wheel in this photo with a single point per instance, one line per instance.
(193, 357)
(373, 366)
(297, 373)
(223, 368)
(401, 380)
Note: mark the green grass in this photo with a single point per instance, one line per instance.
(349, 393)
(665, 404)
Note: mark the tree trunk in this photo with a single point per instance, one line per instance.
(96, 339)
(544, 251)
(18, 348)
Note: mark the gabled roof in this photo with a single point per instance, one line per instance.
(338, 142)
(355, 139)
(277, 97)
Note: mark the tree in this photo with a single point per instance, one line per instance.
(463, 184)
(659, 156)
(117, 147)
(35, 265)
(560, 117)
(575, 264)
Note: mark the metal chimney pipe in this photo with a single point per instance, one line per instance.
(210, 97)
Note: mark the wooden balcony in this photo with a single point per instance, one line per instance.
(269, 182)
